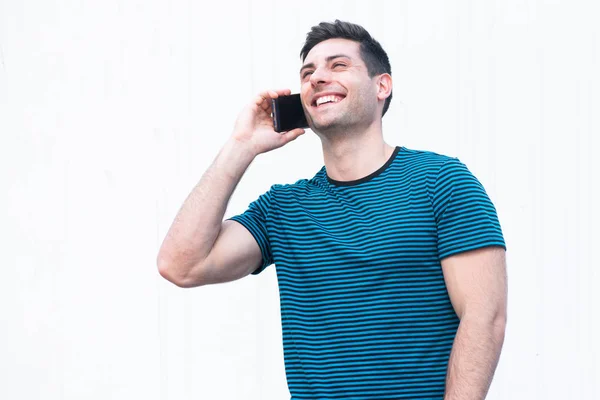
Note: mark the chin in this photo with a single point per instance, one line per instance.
(338, 122)
(329, 129)
(327, 122)
(322, 126)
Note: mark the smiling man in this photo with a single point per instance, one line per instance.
(390, 261)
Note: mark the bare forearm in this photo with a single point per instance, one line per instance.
(198, 222)
(474, 357)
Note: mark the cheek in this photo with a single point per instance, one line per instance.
(368, 94)
(303, 93)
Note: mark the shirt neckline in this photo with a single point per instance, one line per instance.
(368, 177)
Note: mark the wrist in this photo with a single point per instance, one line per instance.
(240, 149)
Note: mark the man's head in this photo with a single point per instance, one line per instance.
(343, 59)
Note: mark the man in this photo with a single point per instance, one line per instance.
(390, 261)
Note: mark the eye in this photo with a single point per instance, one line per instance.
(338, 64)
(306, 74)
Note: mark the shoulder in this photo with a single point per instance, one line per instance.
(300, 186)
(427, 161)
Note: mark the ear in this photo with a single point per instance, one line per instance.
(384, 86)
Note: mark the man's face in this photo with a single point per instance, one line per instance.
(337, 92)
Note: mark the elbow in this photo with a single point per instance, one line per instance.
(168, 270)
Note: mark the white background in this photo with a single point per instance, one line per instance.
(110, 111)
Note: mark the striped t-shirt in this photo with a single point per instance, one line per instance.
(364, 308)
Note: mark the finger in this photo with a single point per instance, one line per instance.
(284, 92)
(278, 92)
(273, 94)
(264, 99)
(293, 134)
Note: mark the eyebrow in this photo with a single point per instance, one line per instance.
(312, 65)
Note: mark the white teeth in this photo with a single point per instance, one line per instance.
(326, 99)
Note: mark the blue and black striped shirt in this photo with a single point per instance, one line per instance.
(364, 307)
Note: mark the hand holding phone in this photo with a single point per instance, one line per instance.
(288, 113)
(254, 127)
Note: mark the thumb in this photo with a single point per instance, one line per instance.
(293, 134)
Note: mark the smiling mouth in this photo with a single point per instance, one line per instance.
(327, 100)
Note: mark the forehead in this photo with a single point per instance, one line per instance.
(333, 46)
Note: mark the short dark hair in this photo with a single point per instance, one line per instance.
(373, 55)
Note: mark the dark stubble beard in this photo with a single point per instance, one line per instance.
(353, 115)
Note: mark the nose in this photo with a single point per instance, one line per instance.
(320, 76)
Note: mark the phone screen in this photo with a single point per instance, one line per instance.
(288, 113)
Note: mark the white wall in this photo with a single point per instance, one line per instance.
(111, 111)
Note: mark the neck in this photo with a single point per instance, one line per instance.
(352, 155)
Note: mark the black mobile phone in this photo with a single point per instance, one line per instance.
(288, 113)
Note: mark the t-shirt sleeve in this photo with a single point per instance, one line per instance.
(255, 219)
(465, 216)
